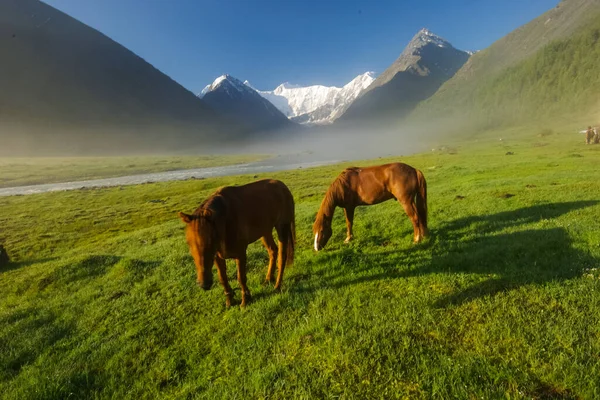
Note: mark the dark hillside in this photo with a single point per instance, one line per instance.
(65, 86)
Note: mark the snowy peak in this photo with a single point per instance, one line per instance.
(317, 104)
(240, 100)
(360, 82)
(285, 86)
(423, 66)
(425, 36)
(226, 81)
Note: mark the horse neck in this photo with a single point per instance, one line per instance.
(328, 205)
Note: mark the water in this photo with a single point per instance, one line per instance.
(277, 164)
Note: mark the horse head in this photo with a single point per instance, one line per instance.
(202, 236)
(322, 231)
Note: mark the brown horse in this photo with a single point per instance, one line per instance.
(232, 218)
(589, 135)
(373, 185)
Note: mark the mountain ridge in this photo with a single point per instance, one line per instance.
(424, 64)
(317, 104)
(232, 98)
(67, 87)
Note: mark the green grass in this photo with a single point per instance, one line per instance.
(502, 302)
(32, 171)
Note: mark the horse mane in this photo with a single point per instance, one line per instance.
(215, 203)
(335, 195)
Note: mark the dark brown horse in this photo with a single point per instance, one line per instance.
(232, 218)
(589, 135)
(372, 185)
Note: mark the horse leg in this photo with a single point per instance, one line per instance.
(349, 213)
(411, 210)
(222, 270)
(269, 243)
(241, 275)
(284, 237)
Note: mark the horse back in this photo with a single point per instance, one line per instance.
(379, 183)
(254, 209)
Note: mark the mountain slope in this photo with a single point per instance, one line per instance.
(317, 104)
(67, 87)
(235, 99)
(426, 63)
(545, 67)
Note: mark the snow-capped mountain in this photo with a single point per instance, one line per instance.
(316, 104)
(423, 66)
(278, 101)
(233, 98)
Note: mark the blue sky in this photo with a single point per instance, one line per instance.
(300, 41)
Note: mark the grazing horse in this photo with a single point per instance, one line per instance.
(232, 218)
(589, 135)
(372, 185)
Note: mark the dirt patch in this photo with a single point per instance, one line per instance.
(545, 132)
(506, 196)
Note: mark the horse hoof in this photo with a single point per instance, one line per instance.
(245, 300)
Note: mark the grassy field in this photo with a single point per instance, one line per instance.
(503, 301)
(32, 171)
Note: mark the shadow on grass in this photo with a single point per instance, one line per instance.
(495, 222)
(45, 328)
(37, 331)
(20, 264)
(509, 260)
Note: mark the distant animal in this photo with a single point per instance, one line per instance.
(372, 185)
(232, 218)
(596, 136)
(4, 259)
(589, 135)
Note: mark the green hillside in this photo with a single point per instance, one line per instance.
(545, 71)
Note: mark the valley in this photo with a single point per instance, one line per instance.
(101, 148)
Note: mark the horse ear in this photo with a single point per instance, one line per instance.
(185, 217)
(208, 214)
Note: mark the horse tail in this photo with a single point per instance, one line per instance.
(290, 230)
(291, 243)
(421, 201)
